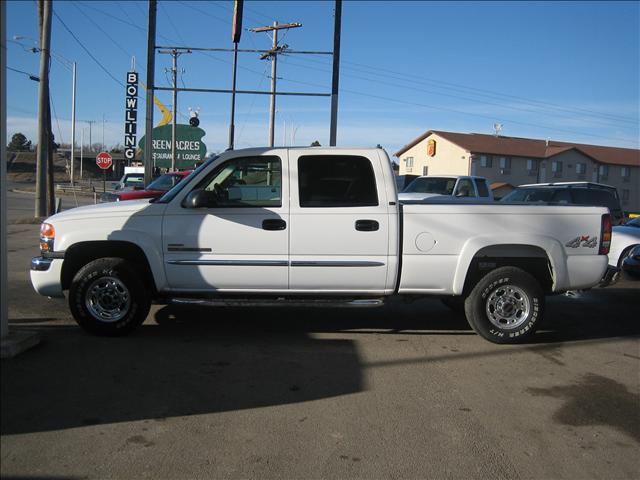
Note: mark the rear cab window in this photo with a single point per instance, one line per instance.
(336, 181)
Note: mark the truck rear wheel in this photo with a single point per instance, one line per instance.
(505, 306)
(107, 297)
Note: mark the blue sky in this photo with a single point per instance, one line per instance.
(566, 71)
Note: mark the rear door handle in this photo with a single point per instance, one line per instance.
(367, 225)
(274, 224)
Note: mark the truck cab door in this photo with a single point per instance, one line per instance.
(340, 223)
(237, 239)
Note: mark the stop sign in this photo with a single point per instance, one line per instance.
(104, 160)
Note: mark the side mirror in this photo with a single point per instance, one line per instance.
(200, 198)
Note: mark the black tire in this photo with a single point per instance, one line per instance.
(625, 254)
(455, 304)
(107, 297)
(505, 306)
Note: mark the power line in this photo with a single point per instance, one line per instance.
(459, 97)
(102, 30)
(494, 96)
(87, 51)
(30, 75)
(461, 112)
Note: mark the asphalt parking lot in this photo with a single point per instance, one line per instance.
(402, 391)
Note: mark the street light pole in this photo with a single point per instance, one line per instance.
(73, 121)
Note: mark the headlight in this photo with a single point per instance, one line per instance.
(47, 237)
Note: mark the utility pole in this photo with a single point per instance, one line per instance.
(73, 120)
(273, 55)
(43, 103)
(175, 53)
(81, 150)
(103, 147)
(151, 67)
(236, 31)
(333, 128)
(90, 122)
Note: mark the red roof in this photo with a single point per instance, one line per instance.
(531, 147)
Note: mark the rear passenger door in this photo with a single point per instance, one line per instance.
(339, 236)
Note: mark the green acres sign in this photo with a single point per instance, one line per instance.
(190, 149)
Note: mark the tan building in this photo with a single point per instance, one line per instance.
(516, 161)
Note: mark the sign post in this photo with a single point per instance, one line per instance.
(104, 160)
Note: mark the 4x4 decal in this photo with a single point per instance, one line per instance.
(583, 241)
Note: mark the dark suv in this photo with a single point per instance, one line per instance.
(570, 193)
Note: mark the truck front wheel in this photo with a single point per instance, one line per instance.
(108, 297)
(505, 306)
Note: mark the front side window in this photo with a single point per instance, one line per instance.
(247, 182)
(465, 188)
(336, 181)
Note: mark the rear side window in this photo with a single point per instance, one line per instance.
(336, 181)
(483, 191)
(596, 198)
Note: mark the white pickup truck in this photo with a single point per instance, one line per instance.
(315, 226)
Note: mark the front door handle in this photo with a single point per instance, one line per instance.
(367, 225)
(274, 224)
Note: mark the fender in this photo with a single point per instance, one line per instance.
(148, 239)
(553, 248)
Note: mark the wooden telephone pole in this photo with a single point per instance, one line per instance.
(273, 55)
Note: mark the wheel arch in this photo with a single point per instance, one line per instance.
(541, 262)
(79, 254)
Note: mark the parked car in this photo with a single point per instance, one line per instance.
(156, 189)
(129, 181)
(403, 181)
(451, 186)
(570, 193)
(315, 227)
(631, 263)
(623, 240)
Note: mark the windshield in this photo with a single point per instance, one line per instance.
(440, 186)
(165, 182)
(167, 197)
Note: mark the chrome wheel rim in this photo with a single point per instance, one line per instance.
(508, 307)
(108, 299)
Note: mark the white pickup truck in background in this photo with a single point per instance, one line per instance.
(315, 226)
(443, 187)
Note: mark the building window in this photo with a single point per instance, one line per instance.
(532, 165)
(425, 170)
(625, 196)
(336, 181)
(505, 162)
(581, 168)
(556, 166)
(486, 161)
(625, 172)
(409, 163)
(603, 170)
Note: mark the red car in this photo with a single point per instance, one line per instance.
(155, 189)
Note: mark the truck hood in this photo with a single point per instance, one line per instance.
(102, 210)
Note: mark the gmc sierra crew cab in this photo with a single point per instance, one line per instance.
(315, 226)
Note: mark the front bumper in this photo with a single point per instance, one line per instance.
(45, 276)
